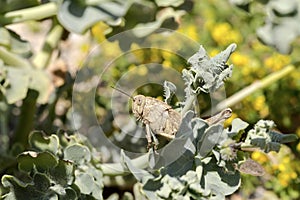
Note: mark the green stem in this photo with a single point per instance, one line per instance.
(189, 104)
(13, 59)
(239, 96)
(26, 120)
(41, 60)
(3, 118)
(116, 169)
(34, 13)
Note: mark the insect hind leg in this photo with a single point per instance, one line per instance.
(149, 136)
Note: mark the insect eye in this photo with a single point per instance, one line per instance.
(138, 101)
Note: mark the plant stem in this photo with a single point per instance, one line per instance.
(239, 96)
(115, 169)
(189, 104)
(34, 13)
(13, 59)
(26, 120)
(41, 60)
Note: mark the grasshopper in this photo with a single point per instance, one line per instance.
(157, 116)
(161, 119)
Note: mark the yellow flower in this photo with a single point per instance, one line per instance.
(293, 175)
(259, 157)
(99, 31)
(298, 131)
(298, 147)
(277, 61)
(142, 70)
(240, 60)
(224, 35)
(229, 120)
(214, 52)
(258, 46)
(191, 31)
(283, 179)
(282, 167)
(259, 103)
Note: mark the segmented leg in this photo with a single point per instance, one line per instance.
(149, 136)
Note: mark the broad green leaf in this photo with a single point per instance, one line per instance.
(22, 191)
(167, 3)
(150, 185)
(84, 16)
(63, 173)
(10, 5)
(20, 80)
(40, 142)
(4, 37)
(88, 185)
(207, 74)
(31, 160)
(140, 174)
(143, 29)
(218, 181)
(85, 183)
(41, 82)
(209, 139)
(238, 125)
(77, 153)
(18, 85)
(41, 182)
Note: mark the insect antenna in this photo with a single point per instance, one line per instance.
(121, 91)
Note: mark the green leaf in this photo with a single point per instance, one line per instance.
(72, 12)
(238, 125)
(31, 160)
(88, 185)
(220, 182)
(41, 143)
(85, 183)
(209, 139)
(41, 82)
(63, 173)
(144, 29)
(150, 185)
(207, 74)
(10, 5)
(21, 79)
(14, 43)
(18, 85)
(169, 91)
(41, 182)
(20, 190)
(282, 19)
(169, 3)
(265, 138)
(140, 174)
(77, 153)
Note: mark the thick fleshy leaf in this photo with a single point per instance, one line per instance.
(77, 153)
(43, 143)
(31, 160)
(165, 3)
(63, 173)
(18, 85)
(84, 16)
(209, 139)
(20, 80)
